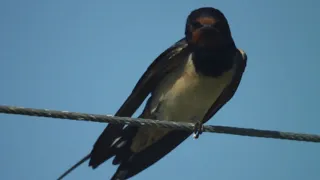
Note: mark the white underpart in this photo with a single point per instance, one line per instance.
(184, 96)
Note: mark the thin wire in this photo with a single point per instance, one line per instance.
(157, 123)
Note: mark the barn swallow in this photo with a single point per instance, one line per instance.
(189, 82)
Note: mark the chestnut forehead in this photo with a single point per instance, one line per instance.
(207, 20)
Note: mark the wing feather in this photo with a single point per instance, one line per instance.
(145, 158)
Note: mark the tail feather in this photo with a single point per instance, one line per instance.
(121, 155)
(102, 149)
(84, 159)
(133, 163)
(122, 146)
(118, 147)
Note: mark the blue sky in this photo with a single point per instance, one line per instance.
(86, 56)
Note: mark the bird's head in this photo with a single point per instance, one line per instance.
(208, 28)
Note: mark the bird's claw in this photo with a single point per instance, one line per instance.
(198, 129)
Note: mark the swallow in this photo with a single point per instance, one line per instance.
(189, 82)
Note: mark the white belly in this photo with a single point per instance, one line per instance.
(184, 96)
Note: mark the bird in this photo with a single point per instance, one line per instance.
(189, 82)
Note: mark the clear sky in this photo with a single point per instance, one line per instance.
(86, 56)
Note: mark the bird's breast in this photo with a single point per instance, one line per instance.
(182, 96)
(186, 96)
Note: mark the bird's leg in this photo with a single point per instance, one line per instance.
(198, 129)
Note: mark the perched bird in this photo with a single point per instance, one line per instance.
(189, 82)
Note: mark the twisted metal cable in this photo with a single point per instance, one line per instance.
(157, 123)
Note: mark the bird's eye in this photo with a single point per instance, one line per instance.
(196, 25)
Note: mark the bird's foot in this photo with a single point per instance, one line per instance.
(198, 129)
